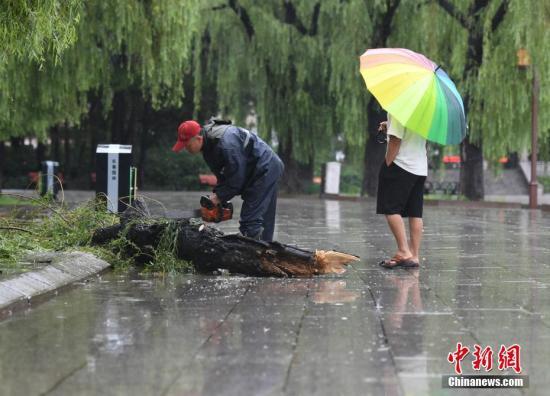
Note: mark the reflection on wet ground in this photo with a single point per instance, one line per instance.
(484, 280)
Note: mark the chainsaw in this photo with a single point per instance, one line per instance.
(215, 213)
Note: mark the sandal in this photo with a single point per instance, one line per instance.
(398, 261)
(409, 264)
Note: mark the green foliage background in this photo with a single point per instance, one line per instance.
(108, 46)
(295, 62)
(500, 105)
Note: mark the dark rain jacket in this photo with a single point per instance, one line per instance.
(237, 157)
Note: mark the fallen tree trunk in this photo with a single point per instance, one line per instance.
(210, 249)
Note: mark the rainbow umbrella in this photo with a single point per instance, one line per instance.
(417, 92)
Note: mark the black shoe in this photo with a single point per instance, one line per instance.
(257, 236)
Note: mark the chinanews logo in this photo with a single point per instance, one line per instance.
(508, 358)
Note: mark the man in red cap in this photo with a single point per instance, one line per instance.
(244, 164)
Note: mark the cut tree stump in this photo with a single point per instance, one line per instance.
(210, 249)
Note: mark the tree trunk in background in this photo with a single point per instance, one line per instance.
(118, 115)
(143, 143)
(67, 151)
(40, 154)
(91, 153)
(80, 166)
(2, 158)
(374, 151)
(309, 170)
(96, 123)
(16, 144)
(135, 108)
(471, 172)
(54, 135)
(296, 175)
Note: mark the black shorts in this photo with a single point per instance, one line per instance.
(399, 192)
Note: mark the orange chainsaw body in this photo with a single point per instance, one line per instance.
(215, 213)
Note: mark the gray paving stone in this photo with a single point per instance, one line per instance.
(8, 294)
(65, 268)
(484, 279)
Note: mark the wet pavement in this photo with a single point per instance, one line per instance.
(484, 279)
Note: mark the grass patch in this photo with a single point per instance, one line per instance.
(6, 200)
(53, 227)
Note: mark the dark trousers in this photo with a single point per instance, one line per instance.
(399, 191)
(260, 203)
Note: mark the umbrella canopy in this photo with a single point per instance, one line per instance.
(417, 92)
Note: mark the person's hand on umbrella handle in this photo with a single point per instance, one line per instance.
(382, 131)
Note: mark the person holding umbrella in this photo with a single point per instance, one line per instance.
(422, 104)
(400, 190)
(244, 165)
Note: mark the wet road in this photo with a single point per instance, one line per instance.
(485, 279)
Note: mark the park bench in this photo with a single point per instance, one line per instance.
(443, 187)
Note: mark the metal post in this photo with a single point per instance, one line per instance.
(533, 185)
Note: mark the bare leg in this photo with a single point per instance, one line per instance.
(415, 229)
(397, 227)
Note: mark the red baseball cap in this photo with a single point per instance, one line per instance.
(186, 131)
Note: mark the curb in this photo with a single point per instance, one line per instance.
(65, 269)
(474, 204)
(439, 202)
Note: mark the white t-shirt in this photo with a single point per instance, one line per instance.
(412, 153)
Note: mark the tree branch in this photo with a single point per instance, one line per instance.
(16, 229)
(220, 7)
(499, 15)
(477, 6)
(291, 18)
(454, 12)
(315, 19)
(243, 16)
(383, 28)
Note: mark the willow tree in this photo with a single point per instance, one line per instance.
(350, 28)
(36, 30)
(270, 53)
(33, 36)
(136, 42)
(298, 60)
(32, 31)
(140, 47)
(477, 41)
